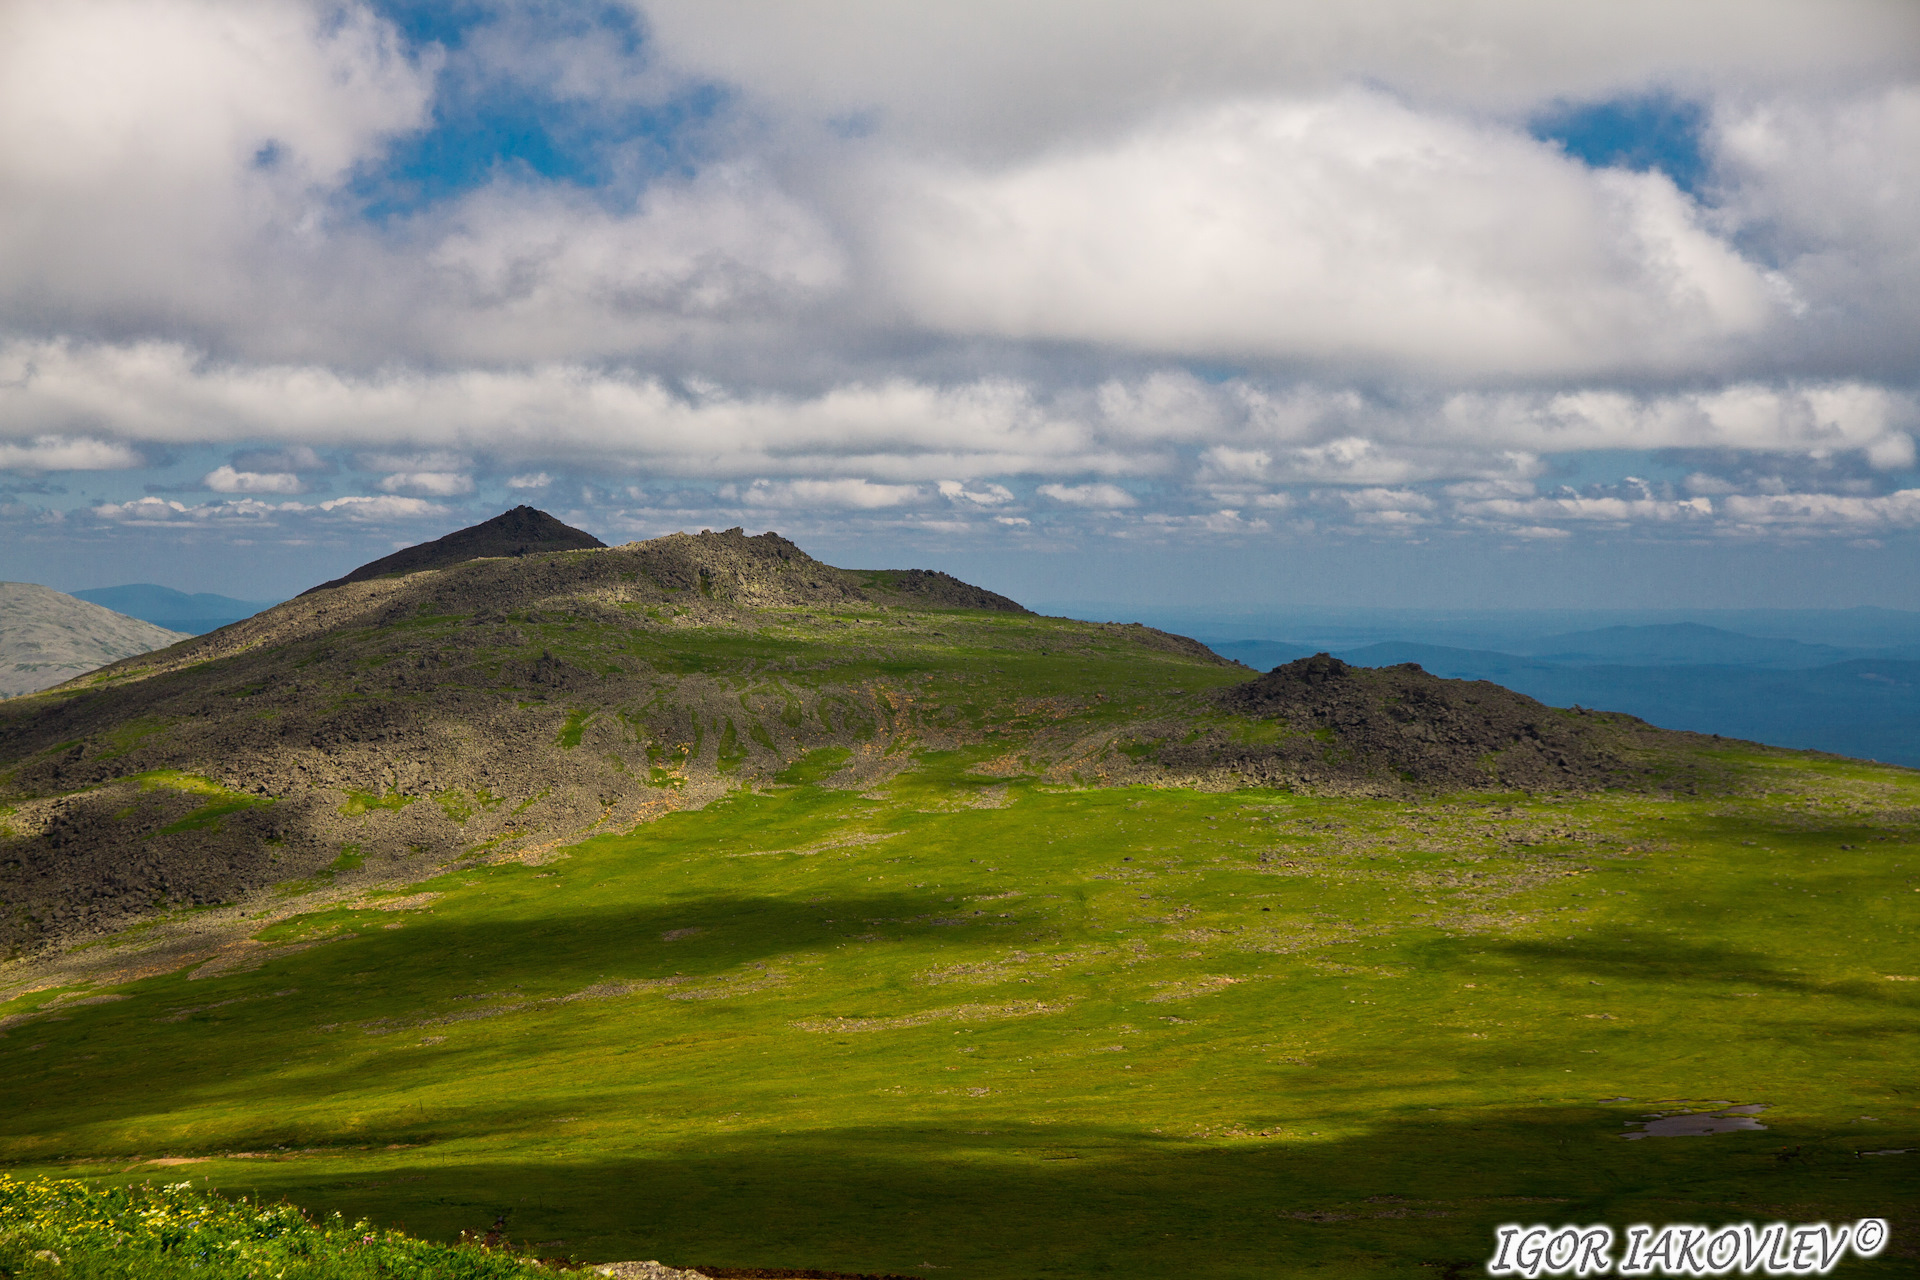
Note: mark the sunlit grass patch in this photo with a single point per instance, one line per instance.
(66, 1228)
(966, 1008)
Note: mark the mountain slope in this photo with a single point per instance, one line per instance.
(47, 637)
(524, 699)
(500, 705)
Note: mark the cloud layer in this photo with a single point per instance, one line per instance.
(1226, 270)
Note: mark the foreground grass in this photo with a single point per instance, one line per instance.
(64, 1228)
(978, 1024)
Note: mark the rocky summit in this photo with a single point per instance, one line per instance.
(523, 531)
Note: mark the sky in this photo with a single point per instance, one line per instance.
(1486, 303)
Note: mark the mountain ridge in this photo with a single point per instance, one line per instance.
(521, 531)
(497, 706)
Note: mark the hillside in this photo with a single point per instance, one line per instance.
(696, 900)
(534, 698)
(47, 637)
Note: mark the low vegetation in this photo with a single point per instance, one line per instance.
(982, 1020)
(961, 943)
(62, 1228)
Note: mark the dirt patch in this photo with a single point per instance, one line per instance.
(1698, 1124)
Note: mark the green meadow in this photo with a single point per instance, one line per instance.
(978, 1022)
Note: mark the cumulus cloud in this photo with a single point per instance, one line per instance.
(1074, 66)
(1181, 267)
(227, 480)
(167, 511)
(383, 508)
(436, 484)
(861, 495)
(424, 430)
(991, 495)
(1350, 229)
(1900, 509)
(168, 162)
(1612, 510)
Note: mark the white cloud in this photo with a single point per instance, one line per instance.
(1815, 509)
(1103, 496)
(383, 508)
(1609, 510)
(1225, 521)
(249, 512)
(860, 495)
(991, 495)
(434, 484)
(226, 480)
(1830, 185)
(171, 161)
(1351, 229)
(151, 510)
(531, 480)
(61, 453)
(1074, 66)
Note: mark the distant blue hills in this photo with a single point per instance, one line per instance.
(194, 614)
(1684, 676)
(1845, 681)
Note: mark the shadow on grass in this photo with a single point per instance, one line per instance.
(194, 1041)
(1677, 965)
(1408, 1198)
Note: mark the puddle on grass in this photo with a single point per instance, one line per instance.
(1695, 1124)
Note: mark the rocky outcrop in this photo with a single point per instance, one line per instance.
(1400, 725)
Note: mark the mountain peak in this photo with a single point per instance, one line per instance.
(523, 531)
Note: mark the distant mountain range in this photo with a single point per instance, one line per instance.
(1858, 701)
(47, 637)
(175, 610)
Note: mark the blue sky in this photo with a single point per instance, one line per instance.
(1327, 304)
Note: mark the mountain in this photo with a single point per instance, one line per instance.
(194, 614)
(523, 531)
(1680, 644)
(47, 637)
(531, 696)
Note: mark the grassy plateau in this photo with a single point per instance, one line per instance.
(983, 1015)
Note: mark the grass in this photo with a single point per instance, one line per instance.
(221, 801)
(359, 802)
(980, 1020)
(58, 1227)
